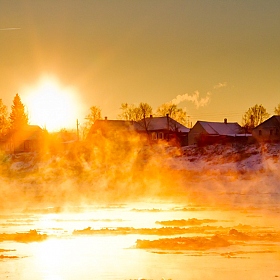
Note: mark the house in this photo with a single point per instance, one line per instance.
(268, 131)
(111, 128)
(28, 139)
(163, 129)
(156, 128)
(216, 132)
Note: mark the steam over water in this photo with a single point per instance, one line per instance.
(149, 213)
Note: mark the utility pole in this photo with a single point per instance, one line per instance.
(77, 123)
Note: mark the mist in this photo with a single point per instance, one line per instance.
(109, 171)
(104, 171)
(85, 204)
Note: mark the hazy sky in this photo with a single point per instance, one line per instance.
(222, 57)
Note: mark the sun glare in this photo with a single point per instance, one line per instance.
(51, 105)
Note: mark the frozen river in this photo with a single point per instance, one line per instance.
(152, 240)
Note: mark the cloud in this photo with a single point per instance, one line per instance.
(195, 98)
(10, 28)
(220, 85)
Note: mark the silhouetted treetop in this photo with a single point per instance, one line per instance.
(131, 112)
(18, 117)
(95, 114)
(277, 110)
(4, 121)
(254, 116)
(173, 111)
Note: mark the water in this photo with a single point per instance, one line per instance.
(109, 249)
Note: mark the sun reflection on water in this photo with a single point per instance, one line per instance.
(110, 248)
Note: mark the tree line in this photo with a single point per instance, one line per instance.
(18, 118)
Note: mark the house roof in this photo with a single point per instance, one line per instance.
(112, 125)
(33, 132)
(153, 124)
(273, 121)
(221, 128)
(161, 123)
(30, 132)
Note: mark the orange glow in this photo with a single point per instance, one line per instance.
(52, 106)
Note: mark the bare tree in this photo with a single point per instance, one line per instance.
(127, 112)
(277, 110)
(95, 114)
(173, 111)
(131, 112)
(254, 116)
(145, 110)
(140, 114)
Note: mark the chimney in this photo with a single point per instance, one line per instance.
(225, 120)
(105, 118)
(151, 116)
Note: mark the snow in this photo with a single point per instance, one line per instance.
(221, 128)
(241, 158)
(222, 158)
(159, 123)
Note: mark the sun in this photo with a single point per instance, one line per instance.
(52, 106)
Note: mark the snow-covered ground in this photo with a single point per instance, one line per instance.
(242, 158)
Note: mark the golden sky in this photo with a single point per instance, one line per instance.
(214, 58)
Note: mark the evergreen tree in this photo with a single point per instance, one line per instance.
(4, 121)
(18, 117)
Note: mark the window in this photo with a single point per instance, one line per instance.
(160, 135)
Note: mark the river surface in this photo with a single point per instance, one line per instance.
(152, 240)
